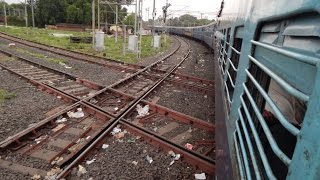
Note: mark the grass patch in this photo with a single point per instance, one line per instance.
(113, 49)
(5, 95)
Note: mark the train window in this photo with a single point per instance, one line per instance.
(232, 64)
(280, 79)
(270, 32)
(301, 33)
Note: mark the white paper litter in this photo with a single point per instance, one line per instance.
(57, 160)
(52, 174)
(116, 108)
(105, 146)
(36, 177)
(81, 170)
(172, 162)
(65, 65)
(177, 157)
(78, 114)
(38, 140)
(11, 44)
(201, 176)
(135, 162)
(149, 159)
(62, 120)
(115, 131)
(90, 162)
(142, 111)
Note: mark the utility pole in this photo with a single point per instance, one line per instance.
(153, 17)
(25, 12)
(32, 12)
(135, 18)
(5, 13)
(93, 22)
(116, 23)
(99, 15)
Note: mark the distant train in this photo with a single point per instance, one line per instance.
(268, 59)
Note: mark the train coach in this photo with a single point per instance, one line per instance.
(268, 54)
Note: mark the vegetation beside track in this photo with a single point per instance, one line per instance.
(113, 49)
(5, 95)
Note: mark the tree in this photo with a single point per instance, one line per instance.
(129, 20)
(72, 14)
(50, 12)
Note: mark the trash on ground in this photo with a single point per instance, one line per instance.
(78, 114)
(57, 160)
(135, 162)
(90, 162)
(11, 44)
(190, 130)
(88, 137)
(38, 140)
(138, 137)
(121, 134)
(142, 111)
(53, 173)
(116, 108)
(93, 101)
(205, 96)
(65, 65)
(61, 120)
(57, 128)
(149, 159)
(81, 140)
(188, 146)
(177, 157)
(115, 130)
(172, 162)
(155, 129)
(81, 170)
(201, 176)
(131, 140)
(32, 124)
(59, 97)
(36, 177)
(105, 146)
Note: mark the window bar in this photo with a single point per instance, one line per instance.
(301, 57)
(250, 147)
(291, 90)
(227, 90)
(274, 146)
(234, 49)
(291, 128)
(244, 153)
(231, 81)
(262, 154)
(238, 156)
(233, 67)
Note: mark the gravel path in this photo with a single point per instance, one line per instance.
(116, 162)
(93, 72)
(149, 60)
(200, 62)
(29, 105)
(185, 101)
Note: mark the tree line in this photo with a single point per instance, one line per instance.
(51, 12)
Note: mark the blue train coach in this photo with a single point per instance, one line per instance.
(267, 87)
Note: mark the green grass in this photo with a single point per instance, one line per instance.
(5, 95)
(113, 49)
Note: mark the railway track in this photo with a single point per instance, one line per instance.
(186, 81)
(66, 144)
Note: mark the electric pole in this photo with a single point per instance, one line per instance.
(25, 12)
(5, 13)
(153, 18)
(98, 15)
(147, 9)
(32, 12)
(93, 22)
(116, 23)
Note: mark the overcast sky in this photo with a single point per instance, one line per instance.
(178, 7)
